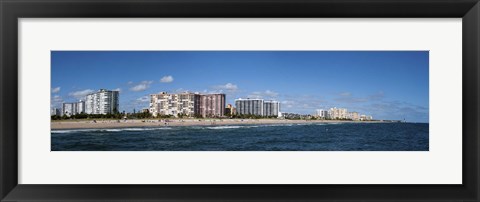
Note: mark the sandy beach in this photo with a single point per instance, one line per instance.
(83, 124)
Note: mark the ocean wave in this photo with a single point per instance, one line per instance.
(254, 126)
(224, 127)
(73, 130)
(111, 130)
(108, 130)
(145, 129)
(209, 127)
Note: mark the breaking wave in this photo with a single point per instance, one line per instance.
(108, 130)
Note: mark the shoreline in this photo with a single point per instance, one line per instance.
(111, 124)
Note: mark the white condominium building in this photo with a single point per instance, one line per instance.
(257, 107)
(55, 112)
(73, 108)
(322, 114)
(338, 113)
(354, 116)
(364, 117)
(249, 106)
(271, 108)
(102, 102)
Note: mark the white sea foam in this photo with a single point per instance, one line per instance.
(134, 129)
(61, 131)
(145, 129)
(112, 130)
(220, 127)
(247, 126)
(108, 130)
(224, 127)
(73, 130)
(277, 125)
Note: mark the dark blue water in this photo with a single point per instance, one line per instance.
(294, 137)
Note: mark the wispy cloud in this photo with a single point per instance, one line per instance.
(56, 101)
(81, 94)
(166, 79)
(56, 90)
(380, 107)
(136, 103)
(302, 104)
(57, 98)
(182, 90)
(377, 96)
(287, 104)
(228, 87)
(347, 97)
(268, 94)
(117, 89)
(143, 99)
(144, 85)
(397, 110)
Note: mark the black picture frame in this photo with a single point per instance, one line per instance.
(12, 10)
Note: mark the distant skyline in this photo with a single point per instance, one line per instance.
(385, 84)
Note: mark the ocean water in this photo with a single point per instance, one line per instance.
(282, 137)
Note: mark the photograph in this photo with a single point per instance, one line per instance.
(252, 100)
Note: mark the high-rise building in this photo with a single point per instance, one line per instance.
(271, 108)
(73, 108)
(212, 105)
(102, 102)
(173, 104)
(67, 109)
(188, 103)
(163, 104)
(249, 106)
(364, 117)
(354, 116)
(80, 107)
(338, 113)
(323, 114)
(55, 112)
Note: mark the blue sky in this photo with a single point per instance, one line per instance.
(384, 84)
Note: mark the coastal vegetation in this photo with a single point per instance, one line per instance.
(147, 115)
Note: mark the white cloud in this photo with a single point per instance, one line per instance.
(255, 95)
(57, 98)
(180, 90)
(213, 92)
(144, 85)
(271, 93)
(347, 97)
(81, 94)
(287, 103)
(130, 83)
(117, 89)
(229, 87)
(268, 94)
(166, 79)
(303, 104)
(56, 101)
(137, 103)
(56, 90)
(145, 98)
